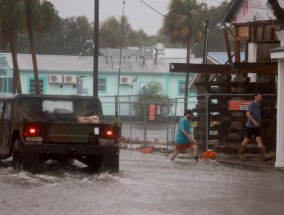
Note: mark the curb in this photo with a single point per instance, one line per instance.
(252, 162)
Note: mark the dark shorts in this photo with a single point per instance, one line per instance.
(181, 147)
(253, 132)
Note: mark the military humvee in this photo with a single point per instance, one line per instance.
(37, 128)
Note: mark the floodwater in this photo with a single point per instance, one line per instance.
(147, 184)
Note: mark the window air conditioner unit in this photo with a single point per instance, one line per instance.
(55, 79)
(70, 79)
(127, 80)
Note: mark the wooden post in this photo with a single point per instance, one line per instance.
(228, 48)
(237, 45)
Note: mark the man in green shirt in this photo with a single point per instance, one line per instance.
(183, 139)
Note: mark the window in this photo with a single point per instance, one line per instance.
(6, 85)
(7, 111)
(101, 84)
(181, 87)
(51, 106)
(1, 109)
(2, 84)
(32, 86)
(9, 86)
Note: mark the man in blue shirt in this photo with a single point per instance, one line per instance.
(253, 128)
(183, 139)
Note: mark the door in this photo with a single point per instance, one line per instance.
(5, 127)
(1, 123)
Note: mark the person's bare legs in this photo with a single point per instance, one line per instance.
(175, 153)
(259, 142)
(262, 150)
(242, 148)
(195, 151)
(245, 141)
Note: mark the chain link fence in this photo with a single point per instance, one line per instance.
(218, 123)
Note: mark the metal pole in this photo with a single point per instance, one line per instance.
(96, 48)
(145, 122)
(168, 108)
(207, 121)
(205, 42)
(130, 123)
(120, 50)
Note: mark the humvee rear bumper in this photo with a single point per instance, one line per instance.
(108, 153)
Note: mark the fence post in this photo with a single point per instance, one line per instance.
(207, 122)
(116, 105)
(168, 108)
(145, 122)
(130, 121)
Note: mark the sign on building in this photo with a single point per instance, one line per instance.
(238, 104)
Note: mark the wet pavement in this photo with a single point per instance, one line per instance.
(251, 160)
(147, 184)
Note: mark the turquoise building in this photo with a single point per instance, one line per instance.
(126, 73)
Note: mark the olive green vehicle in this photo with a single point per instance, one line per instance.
(37, 128)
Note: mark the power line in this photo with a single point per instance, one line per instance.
(263, 7)
(152, 8)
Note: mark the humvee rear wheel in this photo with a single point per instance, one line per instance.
(17, 155)
(94, 163)
(66, 161)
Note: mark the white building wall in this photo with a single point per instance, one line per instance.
(252, 58)
(254, 10)
(280, 116)
(280, 103)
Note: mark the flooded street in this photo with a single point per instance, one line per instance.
(146, 184)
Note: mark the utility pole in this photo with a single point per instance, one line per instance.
(205, 77)
(119, 68)
(120, 49)
(96, 48)
(205, 48)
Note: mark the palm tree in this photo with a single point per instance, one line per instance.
(39, 17)
(12, 20)
(184, 24)
(277, 10)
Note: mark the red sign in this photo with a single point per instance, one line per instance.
(238, 105)
(245, 104)
(245, 7)
(151, 112)
(234, 105)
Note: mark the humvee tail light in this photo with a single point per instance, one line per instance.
(109, 133)
(108, 137)
(31, 131)
(32, 134)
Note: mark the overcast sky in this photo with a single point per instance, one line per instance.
(139, 15)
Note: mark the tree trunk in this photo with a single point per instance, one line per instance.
(188, 45)
(17, 88)
(32, 46)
